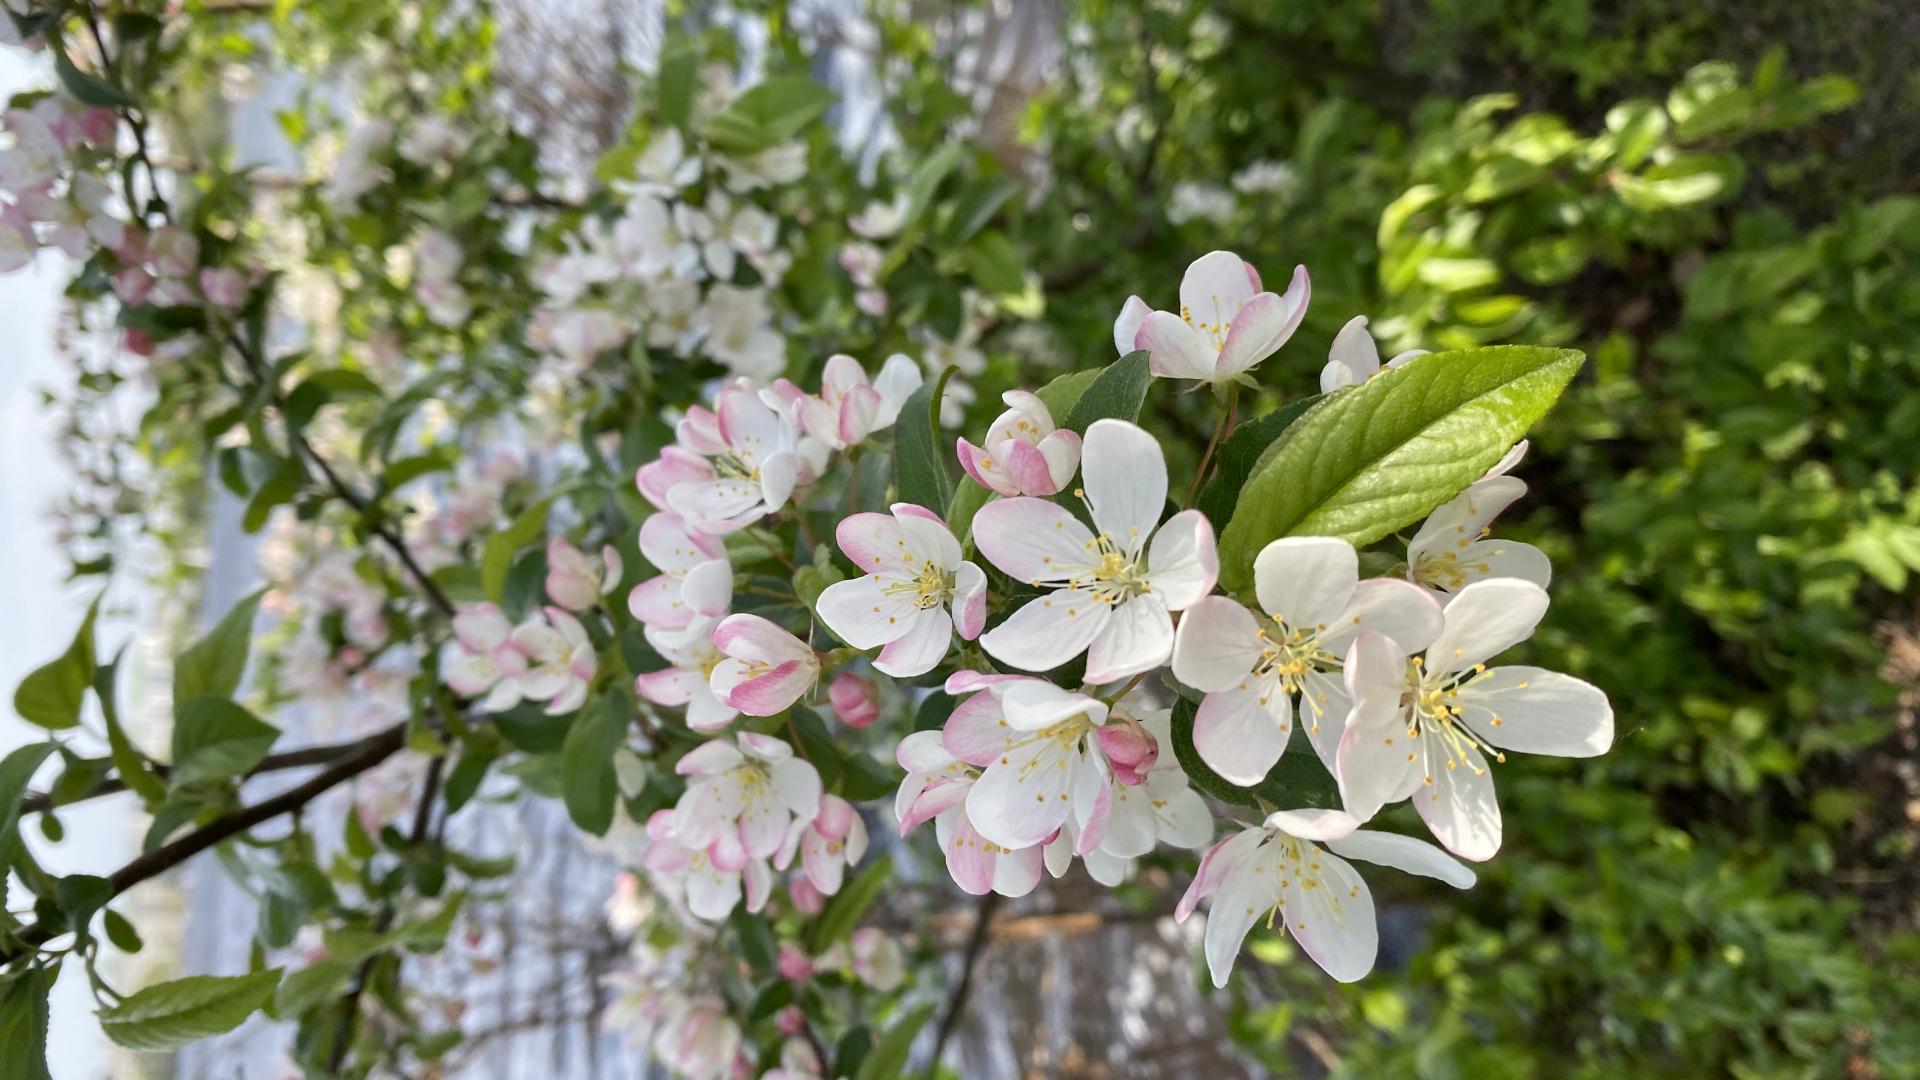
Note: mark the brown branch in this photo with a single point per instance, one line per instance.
(957, 1005)
(350, 1005)
(39, 801)
(370, 751)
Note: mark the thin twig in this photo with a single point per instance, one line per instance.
(38, 801)
(371, 751)
(957, 1005)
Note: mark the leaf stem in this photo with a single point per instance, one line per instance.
(1213, 443)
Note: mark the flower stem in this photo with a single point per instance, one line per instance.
(1219, 430)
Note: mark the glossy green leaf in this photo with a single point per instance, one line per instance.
(843, 912)
(1374, 458)
(1238, 454)
(502, 546)
(1115, 393)
(921, 473)
(51, 695)
(172, 1014)
(23, 1023)
(888, 1058)
(586, 763)
(214, 739)
(215, 664)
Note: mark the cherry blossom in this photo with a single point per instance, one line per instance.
(935, 789)
(561, 660)
(697, 1040)
(1024, 453)
(482, 658)
(1252, 668)
(693, 656)
(695, 580)
(833, 841)
(766, 669)
(576, 581)
(1452, 548)
(1151, 805)
(849, 408)
(741, 802)
(916, 593)
(1422, 728)
(1041, 759)
(1225, 326)
(755, 465)
(1112, 592)
(1290, 871)
(1355, 358)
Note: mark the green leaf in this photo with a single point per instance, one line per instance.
(23, 1023)
(121, 932)
(1238, 454)
(679, 68)
(994, 264)
(888, 1058)
(215, 664)
(90, 89)
(1115, 393)
(128, 762)
(767, 114)
(16, 769)
(844, 910)
(310, 986)
(80, 895)
(586, 764)
(502, 546)
(50, 696)
(214, 739)
(280, 488)
(1371, 459)
(173, 1014)
(921, 474)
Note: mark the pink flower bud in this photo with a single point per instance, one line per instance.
(807, 899)
(795, 965)
(1130, 749)
(137, 343)
(223, 287)
(790, 1020)
(855, 700)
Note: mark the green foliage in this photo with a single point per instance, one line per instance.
(171, 1014)
(922, 473)
(1370, 459)
(214, 739)
(51, 695)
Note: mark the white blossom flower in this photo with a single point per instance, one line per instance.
(742, 800)
(1150, 808)
(1355, 358)
(1267, 178)
(879, 220)
(782, 164)
(754, 469)
(561, 660)
(1226, 324)
(575, 580)
(737, 331)
(672, 310)
(849, 408)
(727, 231)
(695, 580)
(1422, 728)
(1190, 201)
(1112, 592)
(656, 240)
(693, 655)
(1280, 871)
(1252, 668)
(835, 839)
(935, 789)
(766, 669)
(697, 1040)
(916, 592)
(665, 167)
(1041, 757)
(1453, 549)
(482, 658)
(1024, 453)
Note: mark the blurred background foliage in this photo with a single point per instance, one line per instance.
(1716, 201)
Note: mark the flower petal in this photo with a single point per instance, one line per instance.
(1032, 540)
(1459, 804)
(1182, 563)
(1485, 619)
(1306, 581)
(1175, 350)
(1399, 609)
(1331, 915)
(1214, 288)
(1137, 637)
(1535, 711)
(1241, 733)
(1125, 476)
(1403, 853)
(914, 653)
(969, 601)
(1126, 327)
(1218, 645)
(863, 614)
(1048, 631)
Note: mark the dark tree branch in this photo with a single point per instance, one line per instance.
(369, 752)
(962, 990)
(39, 801)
